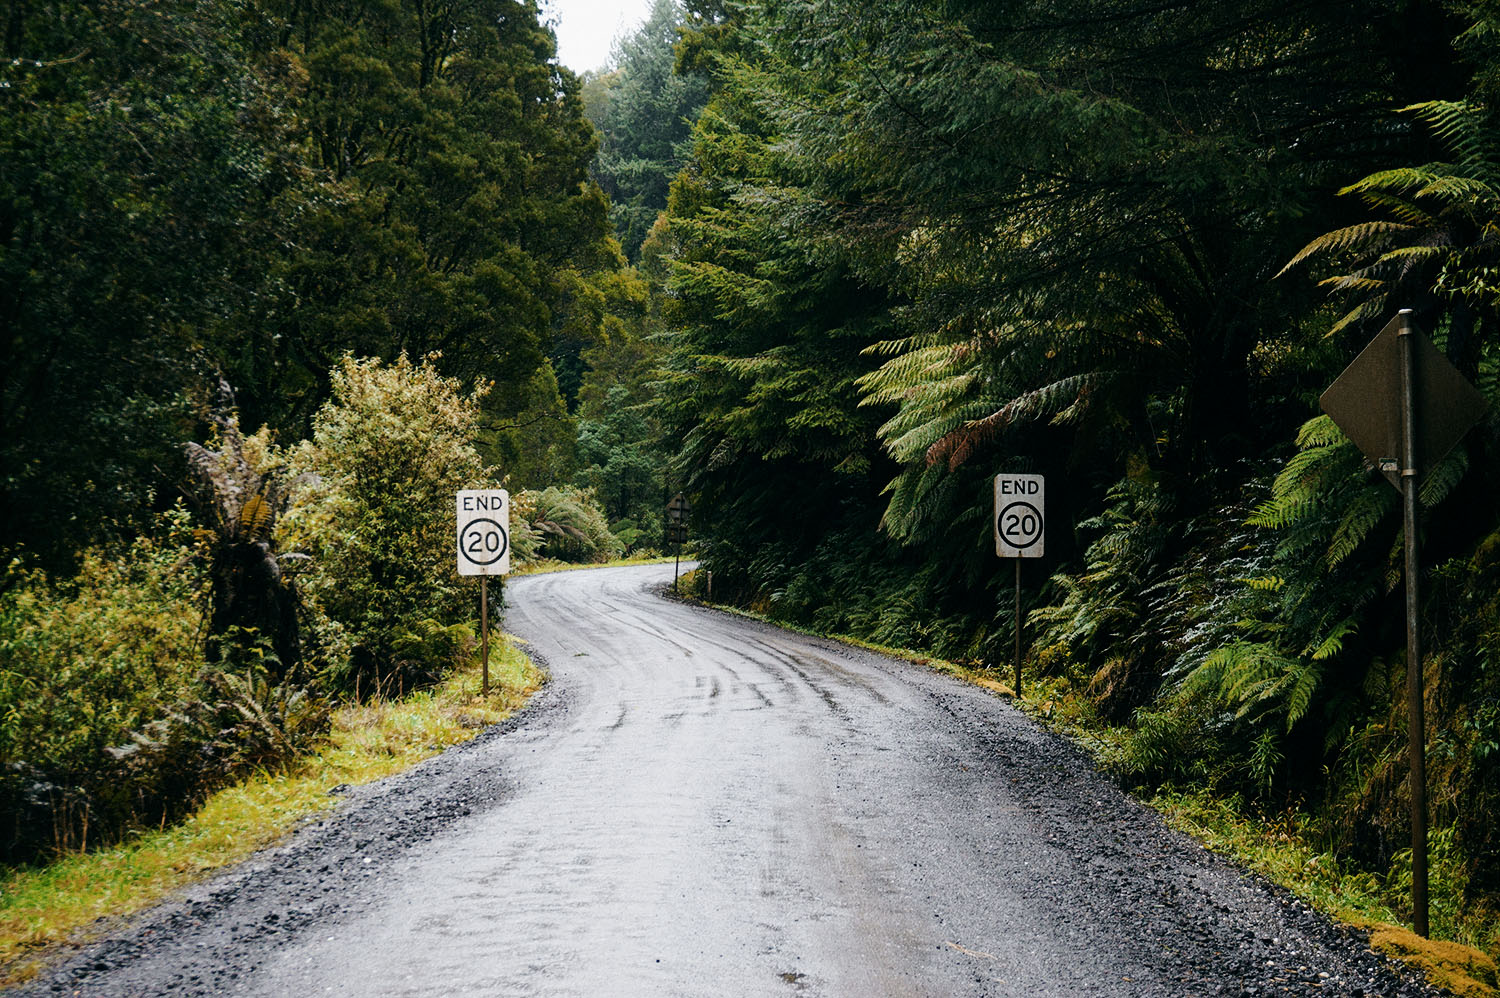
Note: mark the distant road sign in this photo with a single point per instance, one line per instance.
(679, 508)
(483, 532)
(1020, 516)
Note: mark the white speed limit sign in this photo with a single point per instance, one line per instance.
(1020, 516)
(483, 532)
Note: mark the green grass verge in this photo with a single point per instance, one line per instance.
(1276, 849)
(41, 907)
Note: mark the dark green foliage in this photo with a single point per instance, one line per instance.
(1049, 240)
(1110, 621)
(644, 112)
(624, 468)
(454, 201)
(1466, 598)
(254, 189)
(1431, 241)
(138, 148)
(768, 327)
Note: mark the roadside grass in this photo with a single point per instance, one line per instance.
(1462, 959)
(1455, 958)
(79, 895)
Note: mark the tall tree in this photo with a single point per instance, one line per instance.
(139, 146)
(1085, 200)
(645, 116)
(456, 202)
(767, 324)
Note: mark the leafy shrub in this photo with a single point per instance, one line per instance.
(83, 662)
(389, 451)
(424, 650)
(1108, 617)
(235, 723)
(570, 523)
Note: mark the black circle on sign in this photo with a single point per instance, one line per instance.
(1020, 524)
(480, 552)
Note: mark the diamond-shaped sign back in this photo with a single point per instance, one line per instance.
(1365, 401)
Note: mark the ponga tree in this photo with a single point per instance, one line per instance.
(241, 491)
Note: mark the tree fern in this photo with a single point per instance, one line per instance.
(1438, 233)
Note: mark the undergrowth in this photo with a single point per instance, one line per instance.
(41, 907)
(1459, 956)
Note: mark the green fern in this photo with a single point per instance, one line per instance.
(1371, 504)
(1436, 233)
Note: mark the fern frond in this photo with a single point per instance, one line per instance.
(1455, 187)
(1403, 209)
(1360, 313)
(1352, 282)
(1459, 125)
(1305, 681)
(1400, 179)
(958, 446)
(1443, 477)
(1369, 507)
(256, 518)
(1320, 431)
(1333, 643)
(1346, 238)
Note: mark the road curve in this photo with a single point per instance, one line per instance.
(699, 805)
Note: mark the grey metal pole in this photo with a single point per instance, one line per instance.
(484, 635)
(1018, 628)
(1415, 723)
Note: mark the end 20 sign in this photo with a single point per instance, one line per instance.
(483, 532)
(1020, 516)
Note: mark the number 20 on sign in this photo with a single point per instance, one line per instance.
(1020, 516)
(483, 532)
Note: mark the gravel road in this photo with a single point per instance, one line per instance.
(700, 805)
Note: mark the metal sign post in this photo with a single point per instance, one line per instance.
(678, 511)
(484, 635)
(1416, 725)
(1020, 532)
(1397, 378)
(483, 517)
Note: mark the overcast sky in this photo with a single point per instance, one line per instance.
(587, 28)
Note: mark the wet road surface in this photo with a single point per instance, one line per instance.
(701, 805)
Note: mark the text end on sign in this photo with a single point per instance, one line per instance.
(483, 532)
(1020, 516)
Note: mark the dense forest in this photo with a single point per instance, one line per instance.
(826, 267)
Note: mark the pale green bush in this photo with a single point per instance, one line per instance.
(83, 663)
(389, 452)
